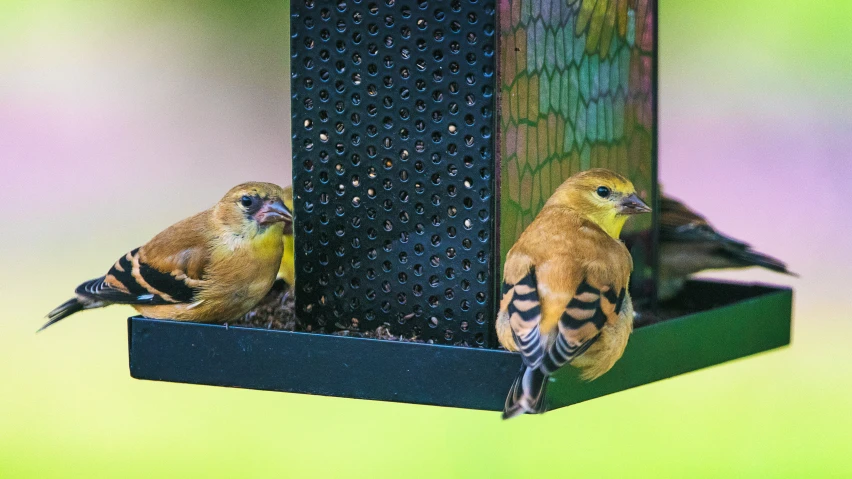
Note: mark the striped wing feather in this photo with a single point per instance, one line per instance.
(524, 310)
(167, 270)
(581, 323)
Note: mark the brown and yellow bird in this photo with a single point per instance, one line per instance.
(287, 271)
(210, 267)
(689, 244)
(565, 294)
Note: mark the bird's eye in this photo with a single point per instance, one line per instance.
(603, 191)
(246, 201)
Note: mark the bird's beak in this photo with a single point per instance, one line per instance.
(632, 205)
(273, 211)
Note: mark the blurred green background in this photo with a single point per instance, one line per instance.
(119, 118)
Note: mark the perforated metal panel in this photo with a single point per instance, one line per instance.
(393, 160)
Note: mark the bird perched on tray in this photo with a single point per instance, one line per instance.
(211, 267)
(689, 244)
(565, 294)
(287, 271)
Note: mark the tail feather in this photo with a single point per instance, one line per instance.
(527, 393)
(66, 309)
(754, 258)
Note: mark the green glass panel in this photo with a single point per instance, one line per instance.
(631, 27)
(614, 70)
(594, 76)
(586, 157)
(618, 117)
(540, 40)
(526, 8)
(624, 74)
(530, 48)
(603, 78)
(579, 48)
(559, 39)
(573, 93)
(564, 97)
(544, 95)
(568, 33)
(568, 138)
(581, 124)
(592, 121)
(554, 90)
(571, 104)
(601, 120)
(550, 51)
(610, 125)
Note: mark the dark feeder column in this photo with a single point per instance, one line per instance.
(418, 126)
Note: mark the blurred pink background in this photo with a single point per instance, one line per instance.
(119, 118)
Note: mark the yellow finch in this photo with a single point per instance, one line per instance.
(214, 266)
(287, 271)
(565, 294)
(689, 244)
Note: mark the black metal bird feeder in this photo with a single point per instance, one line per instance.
(427, 134)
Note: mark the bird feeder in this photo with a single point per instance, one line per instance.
(427, 134)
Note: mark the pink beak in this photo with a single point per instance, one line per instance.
(273, 211)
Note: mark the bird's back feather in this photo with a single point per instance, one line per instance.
(565, 284)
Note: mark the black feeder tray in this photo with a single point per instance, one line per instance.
(720, 322)
(427, 134)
